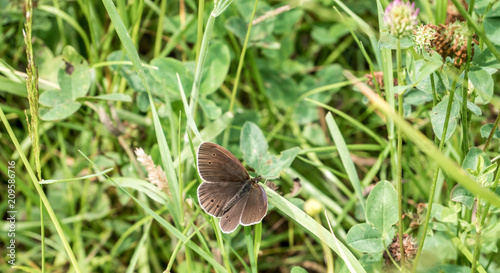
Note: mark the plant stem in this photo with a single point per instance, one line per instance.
(479, 230)
(238, 71)
(465, 88)
(242, 58)
(399, 171)
(159, 29)
(436, 174)
(492, 133)
(200, 62)
(199, 34)
(480, 219)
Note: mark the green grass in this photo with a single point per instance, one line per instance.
(288, 96)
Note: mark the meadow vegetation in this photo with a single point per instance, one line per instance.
(374, 125)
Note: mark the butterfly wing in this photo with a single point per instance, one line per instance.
(256, 207)
(231, 219)
(216, 164)
(214, 196)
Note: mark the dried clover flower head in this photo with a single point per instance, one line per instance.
(409, 245)
(451, 41)
(401, 18)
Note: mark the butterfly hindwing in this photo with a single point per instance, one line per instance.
(231, 219)
(214, 196)
(256, 207)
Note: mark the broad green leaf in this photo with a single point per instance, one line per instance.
(444, 214)
(59, 111)
(459, 193)
(74, 77)
(215, 68)
(491, 24)
(307, 113)
(238, 26)
(388, 41)
(259, 31)
(382, 207)
(416, 97)
(52, 98)
(298, 269)
(486, 59)
(428, 68)
(142, 101)
(74, 81)
(131, 76)
(59, 105)
(438, 116)
(483, 83)
(486, 129)
(210, 108)
(166, 73)
(402, 88)
(449, 268)
(437, 250)
(280, 89)
(470, 160)
(253, 144)
(273, 165)
(314, 134)
(48, 64)
(286, 21)
(462, 195)
(329, 34)
(365, 238)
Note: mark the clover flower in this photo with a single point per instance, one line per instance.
(401, 17)
(451, 41)
(424, 35)
(394, 249)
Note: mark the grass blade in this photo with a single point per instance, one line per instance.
(345, 156)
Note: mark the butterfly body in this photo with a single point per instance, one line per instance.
(228, 191)
(243, 191)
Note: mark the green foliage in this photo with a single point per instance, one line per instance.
(254, 147)
(438, 117)
(381, 215)
(116, 75)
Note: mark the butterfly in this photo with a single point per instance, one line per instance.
(228, 191)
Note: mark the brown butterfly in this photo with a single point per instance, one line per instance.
(228, 191)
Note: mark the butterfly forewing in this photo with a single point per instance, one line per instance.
(231, 219)
(256, 207)
(214, 196)
(216, 164)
